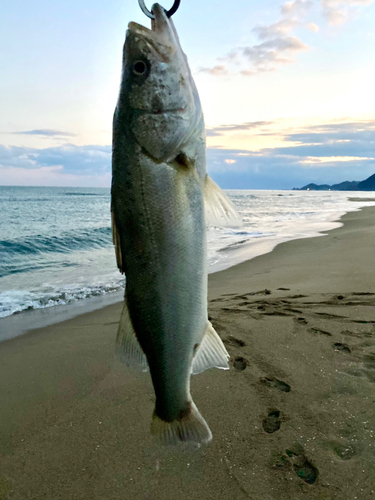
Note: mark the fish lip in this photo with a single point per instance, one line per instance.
(161, 27)
(138, 29)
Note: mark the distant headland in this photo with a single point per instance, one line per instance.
(366, 185)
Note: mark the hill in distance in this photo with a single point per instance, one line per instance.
(366, 185)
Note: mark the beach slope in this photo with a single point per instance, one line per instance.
(293, 418)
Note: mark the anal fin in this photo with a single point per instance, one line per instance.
(211, 353)
(128, 349)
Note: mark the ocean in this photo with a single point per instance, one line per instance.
(56, 245)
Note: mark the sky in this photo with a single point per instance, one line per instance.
(286, 89)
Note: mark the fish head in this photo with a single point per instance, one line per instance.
(157, 90)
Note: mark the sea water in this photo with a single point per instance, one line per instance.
(56, 245)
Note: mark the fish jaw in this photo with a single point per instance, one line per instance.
(160, 102)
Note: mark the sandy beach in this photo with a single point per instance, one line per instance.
(293, 419)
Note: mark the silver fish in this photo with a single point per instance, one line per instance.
(159, 192)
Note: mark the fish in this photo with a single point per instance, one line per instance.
(161, 201)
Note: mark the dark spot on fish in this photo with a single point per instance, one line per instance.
(182, 160)
(195, 348)
(185, 412)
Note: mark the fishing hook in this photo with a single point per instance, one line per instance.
(149, 14)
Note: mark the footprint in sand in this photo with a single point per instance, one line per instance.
(338, 346)
(272, 422)
(321, 332)
(369, 366)
(274, 383)
(233, 341)
(239, 364)
(301, 321)
(344, 452)
(369, 361)
(301, 466)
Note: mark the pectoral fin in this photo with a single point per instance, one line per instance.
(128, 349)
(220, 211)
(211, 353)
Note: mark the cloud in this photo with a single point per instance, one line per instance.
(332, 160)
(46, 133)
(356, 139)
(281, 28)
(278, 46)
(267, 55)
(340, 11)
(82, 160)
(215, 131)
(312, 27)
(217, 70)
(326, 153)
(296, 8)
(272, 170)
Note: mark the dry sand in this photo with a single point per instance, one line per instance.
(293, 419)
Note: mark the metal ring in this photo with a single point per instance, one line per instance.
(149, 14)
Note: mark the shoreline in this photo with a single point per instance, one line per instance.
(292, 418)
(18, 323)
(53, 279)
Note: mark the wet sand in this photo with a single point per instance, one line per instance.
(293, 419)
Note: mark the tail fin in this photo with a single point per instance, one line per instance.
(190, 428)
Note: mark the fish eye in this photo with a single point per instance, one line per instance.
(139, 68)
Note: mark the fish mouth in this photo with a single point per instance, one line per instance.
(139, 29)
(162, 28)
(177, 111)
